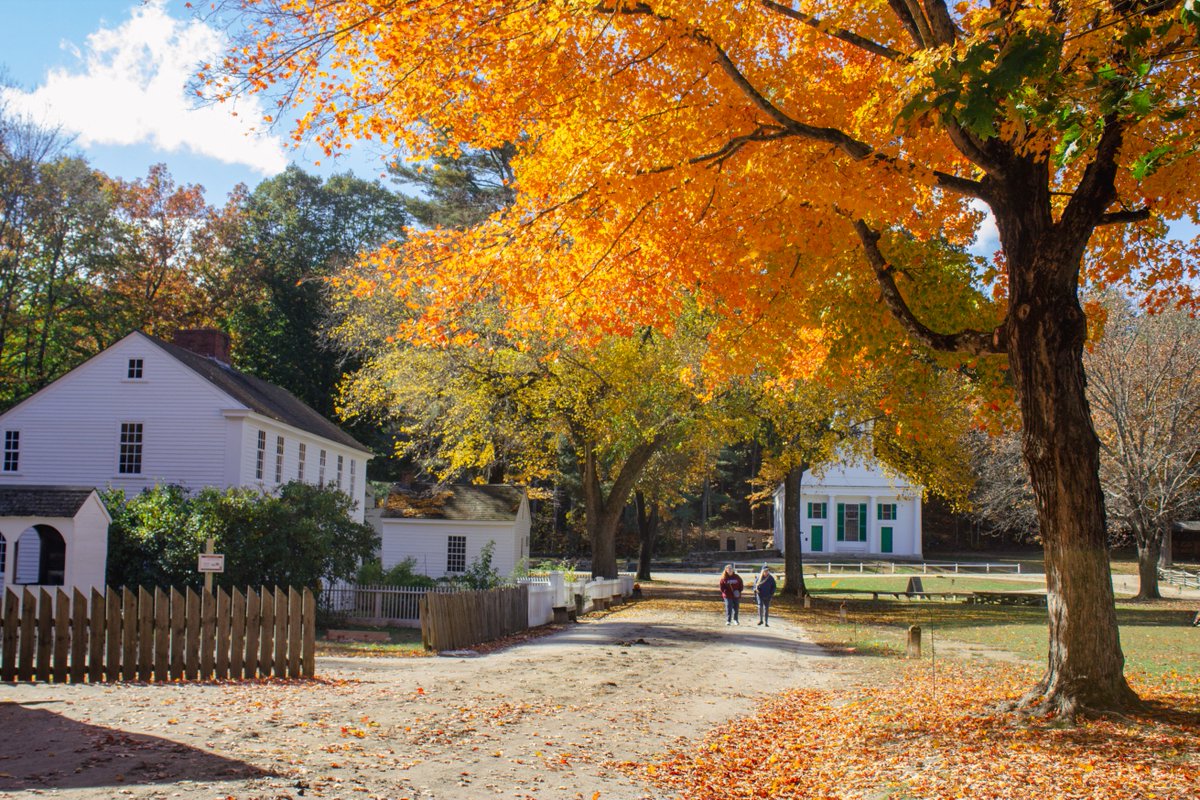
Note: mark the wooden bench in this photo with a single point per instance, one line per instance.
(1008, 598)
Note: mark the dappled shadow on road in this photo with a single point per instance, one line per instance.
(44, 750)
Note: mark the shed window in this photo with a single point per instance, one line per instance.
(129, 453)
(12, 451)
(300, 456)
(135, 369)
(260, 459)
(456, 554)
(279, 445)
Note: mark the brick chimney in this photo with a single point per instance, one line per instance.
(208, 342)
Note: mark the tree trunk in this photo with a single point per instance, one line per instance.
(1149, 551)
(793, 560)
(604, 513)
(647, 533)
(1085, 666)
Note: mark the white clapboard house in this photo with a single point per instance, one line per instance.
(855, 509)
(444, 529)
(146, 412)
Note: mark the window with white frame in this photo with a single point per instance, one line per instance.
(886, 511)
(12, 451)
(301, 454)
(352, 477)
(260, 456)
(456, 554)
(851, 522)
(129, 449)
(134, 371)
(817, 511)
(339, 472)
(321, 469)
(279, 445)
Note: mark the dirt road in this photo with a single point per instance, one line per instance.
(538, 720)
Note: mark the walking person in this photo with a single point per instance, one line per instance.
(764, 591)
(731, 593)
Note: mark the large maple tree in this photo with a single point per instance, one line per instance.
(734, 153)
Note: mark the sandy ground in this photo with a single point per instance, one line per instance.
(543, 719)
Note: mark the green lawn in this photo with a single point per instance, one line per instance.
(403, 642)
(1157, 638)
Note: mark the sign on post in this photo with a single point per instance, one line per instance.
(212, 562)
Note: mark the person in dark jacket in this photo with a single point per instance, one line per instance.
(764, 590)
(731, 592)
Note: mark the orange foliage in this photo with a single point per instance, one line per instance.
(923, 738)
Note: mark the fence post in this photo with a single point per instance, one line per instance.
(281, 621)
(79, 632)
(112, 621)
(162, 635)
(62, 635)
(193, 613)
(266, 640)
(253, 630)
(145, 618)
(309, 655)
(295, 620)
(12, 620)
(178, 633)
(237, 644)
(28, 628)
(45, 620)
(223, 620)
(208, 634)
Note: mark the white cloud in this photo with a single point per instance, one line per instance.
(131, 90)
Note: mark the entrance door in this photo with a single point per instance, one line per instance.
(817, 535)
(885, 540)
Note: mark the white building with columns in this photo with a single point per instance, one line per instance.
(855, 509)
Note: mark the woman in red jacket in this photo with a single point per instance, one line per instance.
(731, 592)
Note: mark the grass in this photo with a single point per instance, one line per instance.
(403, 642)
(930, 583)
(1157, 637)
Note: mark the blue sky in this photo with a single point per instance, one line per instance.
(111, 73)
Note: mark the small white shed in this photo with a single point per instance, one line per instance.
(52, 536)
(855, 509)
(445, 528)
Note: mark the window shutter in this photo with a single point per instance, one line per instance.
(862, 522)
(841, 533)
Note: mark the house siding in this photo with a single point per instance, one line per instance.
(426, 542)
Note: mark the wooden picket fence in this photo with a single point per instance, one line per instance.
(463, 619)
(164, 635)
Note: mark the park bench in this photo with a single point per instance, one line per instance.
(1008, 598)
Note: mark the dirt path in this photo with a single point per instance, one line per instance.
(538, 720)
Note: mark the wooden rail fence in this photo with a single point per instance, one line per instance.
(463, 619)
(164, 635)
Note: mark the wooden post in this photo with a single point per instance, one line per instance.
(12, 622)
(28, 635)
(295, 632)
(145, 622)
(224, 620)
(162, 635)
(210, 547)
(45, 640)
(253, 631)
(842, 611)
(208, 635)
(914, 641)
(128, 635)
(178, 633)
(279, 662)
(309, 651)
(62, 636)
(79, 632)
(266, 640)
(237, 636)
(191, 659)
(96, 638)
(112, 635)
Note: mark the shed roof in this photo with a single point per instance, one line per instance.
(1188, 526)
(259, 396)
(466, 502)
(43, 501)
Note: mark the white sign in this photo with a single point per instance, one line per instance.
(212, 562)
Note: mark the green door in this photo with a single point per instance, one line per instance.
(817, 544)
(885, 539)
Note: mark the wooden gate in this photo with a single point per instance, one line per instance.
(164, 635)
(462, 619)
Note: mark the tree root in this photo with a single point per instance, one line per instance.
(1068, 703)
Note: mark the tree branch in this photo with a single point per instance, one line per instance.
(1124, 216)
(967, 341)
(861, 42)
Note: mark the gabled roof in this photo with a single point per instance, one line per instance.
(43, 501)
(259, 396)
(477, 503)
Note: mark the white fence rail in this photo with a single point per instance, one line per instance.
(920, 567)
(1180, 577)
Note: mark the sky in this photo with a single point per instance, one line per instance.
(113, 74)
